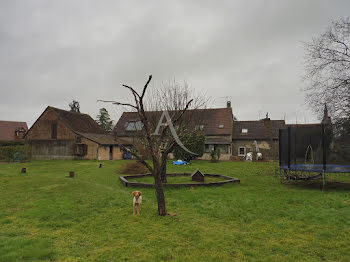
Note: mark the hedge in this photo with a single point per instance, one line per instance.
(15, 152)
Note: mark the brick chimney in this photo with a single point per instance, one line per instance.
(267, 126)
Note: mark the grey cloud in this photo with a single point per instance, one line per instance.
(54, 51)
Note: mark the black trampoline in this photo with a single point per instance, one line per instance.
(318, 168)
(309, 151)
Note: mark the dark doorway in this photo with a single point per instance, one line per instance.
(110, 152)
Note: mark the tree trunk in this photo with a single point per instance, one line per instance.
(163, 173)
(157, 172)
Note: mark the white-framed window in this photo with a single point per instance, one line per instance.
(221, 126)
(134, 126)
(244, 130)
(241, 151)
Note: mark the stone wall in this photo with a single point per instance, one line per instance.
(223, 157)
(103, 153)
(92, 149)
(117, 153)
(268, 148)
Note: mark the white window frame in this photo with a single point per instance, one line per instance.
(134, 126)
(244, 130)
(239, 151)
(221, 126)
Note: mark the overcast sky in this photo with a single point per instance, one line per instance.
(52, 52)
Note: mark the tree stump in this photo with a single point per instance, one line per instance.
(71, 173)
(100, 166)
(24, 170)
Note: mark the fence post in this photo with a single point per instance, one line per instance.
(289, 145)
(324, 157)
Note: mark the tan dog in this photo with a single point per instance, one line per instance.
(136, 203)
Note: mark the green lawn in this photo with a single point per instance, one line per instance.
(46, 216)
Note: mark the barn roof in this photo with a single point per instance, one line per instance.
(78, 122)
(215, 121)
(102, 139)
(83, 125)
(8, 128)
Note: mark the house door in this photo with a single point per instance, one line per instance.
(110, 152)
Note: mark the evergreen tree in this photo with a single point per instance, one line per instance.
(104, 120)
(74, 106)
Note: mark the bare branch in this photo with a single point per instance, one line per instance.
(117, 103)
(146, 85)
(132, 90)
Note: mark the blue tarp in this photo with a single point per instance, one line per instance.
(180, 162)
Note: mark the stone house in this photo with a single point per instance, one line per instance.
(61, 134)
(215, 123)
(12, 131)
(264, 133)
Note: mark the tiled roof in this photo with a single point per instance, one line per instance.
(259, 129)
(211, 119)
(102, 139)
(8, 128)
(82, 124)
(78, 122)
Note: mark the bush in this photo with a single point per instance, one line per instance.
(193, 142)
(215, 155)
(134, 168)
(15, 152)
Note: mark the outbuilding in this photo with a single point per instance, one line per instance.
(61, 134)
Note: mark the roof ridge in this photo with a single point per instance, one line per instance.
(13, 121)
(68, 111)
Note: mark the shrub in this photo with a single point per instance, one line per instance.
(193, 142)
(15, 152)
(215, 155)
(134, 168)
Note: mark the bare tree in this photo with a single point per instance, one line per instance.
(74, 106)
(174, 99)
(327, 64)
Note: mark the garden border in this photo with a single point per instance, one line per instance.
(127, 183)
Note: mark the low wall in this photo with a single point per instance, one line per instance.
(127, 183)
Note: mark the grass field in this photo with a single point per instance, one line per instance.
(46, 216)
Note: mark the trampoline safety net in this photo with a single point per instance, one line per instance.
(314, 148)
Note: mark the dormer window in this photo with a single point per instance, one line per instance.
(244, 130)
(221, 126)
(134, 126)
(20, 132)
